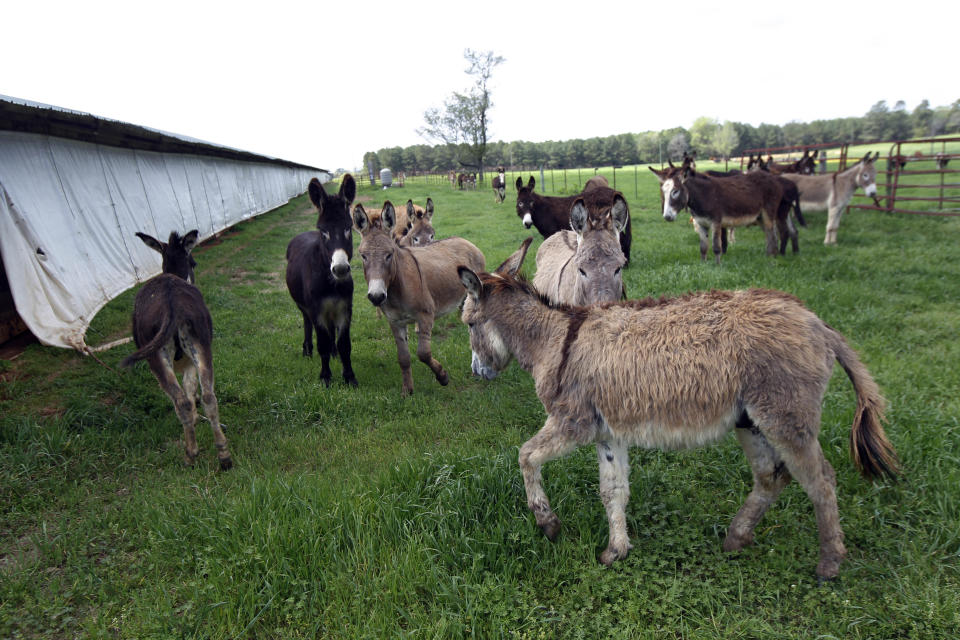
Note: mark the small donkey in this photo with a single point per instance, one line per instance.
(412, 284)
(173, 332)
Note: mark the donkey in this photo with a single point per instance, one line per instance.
(173, 331)
(790, 199)
(552, 214)
(499, 183)
(594, 182)
(716, 203)
(319, 280)
(412, 284)
(942, 159)
(678, 373)
(583, 266)
(832, 192)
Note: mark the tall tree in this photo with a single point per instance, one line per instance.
(726, 139)
(464, 119)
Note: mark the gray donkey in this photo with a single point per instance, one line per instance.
(678, 373)
(412, 284)
(173, 332)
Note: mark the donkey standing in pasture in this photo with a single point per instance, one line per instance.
(552, 214)
(499, 183)
(412, 284)
(583, 266)
(715, 203)
(173, 331)
(319, 280)
(832, 192)
(806, 165)
(679, 373)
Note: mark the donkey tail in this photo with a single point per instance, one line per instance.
(796, 210)
(872, 453)
(167, 329)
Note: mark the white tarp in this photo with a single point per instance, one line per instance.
(69, 211)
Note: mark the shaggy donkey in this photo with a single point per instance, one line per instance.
(584, 266)
(173, 332)
(412, 284)
(319, 280)
(832, 192)
(551, 214)
(676, 373)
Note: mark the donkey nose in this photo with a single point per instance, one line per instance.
(341, 270)
(377, 298)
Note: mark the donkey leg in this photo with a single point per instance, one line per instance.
(704, 233)
(307, 334)
(403, 355)
(162, 369)
(717, 244)
(614, 463)
(324, 349)
(769, 478)
(769, 232)
(833, 223)
(552, 441)
(424, 331)
(211, 409)
(343, 348)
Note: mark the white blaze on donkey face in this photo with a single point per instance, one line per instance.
(340, 265)
(668, 186)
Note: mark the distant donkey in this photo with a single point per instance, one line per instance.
(173, 331)
(499, 183)
(679, 373)
(319, 280)
(412, 284)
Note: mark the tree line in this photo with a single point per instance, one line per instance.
(706, 136)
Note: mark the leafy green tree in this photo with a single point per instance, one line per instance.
(921, 118)
(702, 133)
(677, 146)
(726, 139)
(464, 119)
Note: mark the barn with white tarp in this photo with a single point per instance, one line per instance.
(74, 188)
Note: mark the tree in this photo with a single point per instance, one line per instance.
(726, 139)
(677, 146)
(464, 119)
(702, 132)
(922, 117)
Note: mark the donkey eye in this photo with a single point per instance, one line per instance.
(617, 271)
(325, 234)
(675, 193)
(582, 272)
(389, 257)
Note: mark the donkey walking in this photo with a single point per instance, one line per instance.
(499, 184)
(412, 284)
(832, 192)
(319, 280)
(678, 373)
(173, 331)
(584, 266)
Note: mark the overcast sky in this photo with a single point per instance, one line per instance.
(322, 82)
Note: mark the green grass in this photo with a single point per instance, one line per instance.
(357, 513)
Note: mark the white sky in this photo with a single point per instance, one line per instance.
(322, 82)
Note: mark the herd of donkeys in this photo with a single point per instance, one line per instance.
(667, 373)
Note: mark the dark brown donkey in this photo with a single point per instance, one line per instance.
(499, 183)
(715, 203)
(411, 284)
(552, 214)
(319, 280)
(173, 332)
(680, 373)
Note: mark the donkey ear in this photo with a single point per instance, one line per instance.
(578, 216)
(519, 183)
(190, 240)
(388, 216)
(318, 194)
(151, 242)
(360, 219)
(428, 212)
(531, 183)
(348, 188)
(470, 281)
(620, 213)
(659, 174)
(411, 212)
(512, 264)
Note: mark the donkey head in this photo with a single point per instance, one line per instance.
(525, 201)
(807, 164)
(176, 253)
(599, 258)
(491, 355)
(378, 251)
(866, 176)
(334, 225)
(419, 231)
(674, 193)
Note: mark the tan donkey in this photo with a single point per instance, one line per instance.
(679, 373)
(412, 284)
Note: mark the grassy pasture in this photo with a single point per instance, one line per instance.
(357, 513)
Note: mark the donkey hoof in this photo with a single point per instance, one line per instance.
(326, 381)
(612, 554)
(551, 528)
(226, 463)
(443, 378)
(735, 543)
(351, 380)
